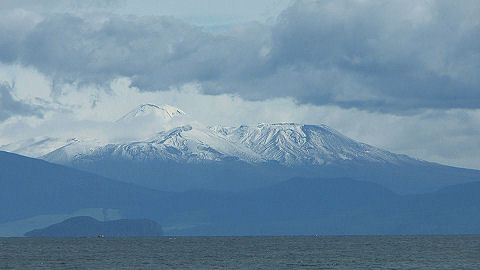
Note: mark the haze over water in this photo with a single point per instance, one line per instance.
(296, 252)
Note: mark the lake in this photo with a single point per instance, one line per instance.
(276, 252)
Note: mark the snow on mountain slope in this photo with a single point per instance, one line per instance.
(204, 143)
(166, 133)
(76, 149)
(147, 119)
(296, 144)
(138, 124)
(36, 147)
(165, 112)
(182, 144)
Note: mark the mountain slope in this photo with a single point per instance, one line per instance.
(288, 144)
(30, 187)
(297, 144)
(164, 149)
(246, 157)
(36, 147)
(182, 144)
(341, 207)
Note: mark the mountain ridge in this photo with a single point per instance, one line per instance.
(290, 144)
(299, 206)
(182, 154)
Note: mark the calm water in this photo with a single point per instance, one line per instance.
(348, 252)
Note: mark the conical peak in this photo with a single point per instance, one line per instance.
(148, 106)
(164, 112)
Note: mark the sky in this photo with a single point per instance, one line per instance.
(400, 75)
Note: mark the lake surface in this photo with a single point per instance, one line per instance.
(296, 252)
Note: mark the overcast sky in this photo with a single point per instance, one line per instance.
(400, 75)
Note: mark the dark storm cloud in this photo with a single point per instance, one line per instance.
(11, 107)
(156, 52)
(395, 57)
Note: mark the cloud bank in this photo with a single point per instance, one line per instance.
(397, 57)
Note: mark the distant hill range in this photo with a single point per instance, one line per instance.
(84, 226)
(32, 188)
(176, 153)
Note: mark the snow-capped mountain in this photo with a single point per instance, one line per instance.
(297, 144)
(74, 150)
(38, 146)
(181, 144)
(286, 143)
(161, 147)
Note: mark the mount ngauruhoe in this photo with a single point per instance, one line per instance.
(180, 154)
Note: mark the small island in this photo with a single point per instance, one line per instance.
(84, 226)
